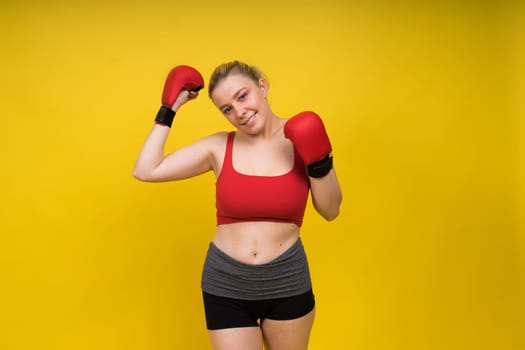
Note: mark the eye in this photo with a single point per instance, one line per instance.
(226, 110)
(242, 96)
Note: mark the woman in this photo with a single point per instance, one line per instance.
(256, 283)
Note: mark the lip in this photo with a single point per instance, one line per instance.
(248, 120)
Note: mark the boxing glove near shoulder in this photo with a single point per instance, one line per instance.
(308, 135)
(180, 78)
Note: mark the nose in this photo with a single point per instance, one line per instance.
(240, 110)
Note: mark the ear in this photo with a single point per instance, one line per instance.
(263, 87)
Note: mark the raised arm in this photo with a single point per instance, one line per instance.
(153, 166)
(326, 195)
(182, 85)
(308, 134)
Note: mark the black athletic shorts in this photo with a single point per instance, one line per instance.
(224, 312)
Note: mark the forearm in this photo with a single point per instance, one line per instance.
(152, 152)
(326, 195)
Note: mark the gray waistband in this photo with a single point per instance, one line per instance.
(285, 276)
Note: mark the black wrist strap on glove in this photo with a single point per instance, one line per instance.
(165, 116)
(321, 168)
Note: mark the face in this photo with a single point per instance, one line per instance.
(242, 102)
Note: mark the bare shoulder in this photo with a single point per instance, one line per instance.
(217, 137)
(214, 142)
(216, 145)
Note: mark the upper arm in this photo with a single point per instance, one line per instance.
(189, 161)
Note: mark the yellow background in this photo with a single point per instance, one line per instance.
(422, 104)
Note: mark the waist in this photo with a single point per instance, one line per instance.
(286, 275)
(255, 242)
(222, 220)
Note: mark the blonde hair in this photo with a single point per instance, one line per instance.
(234, 67)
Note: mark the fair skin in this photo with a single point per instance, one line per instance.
(260, 149)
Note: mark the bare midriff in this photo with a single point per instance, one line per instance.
(256, 242)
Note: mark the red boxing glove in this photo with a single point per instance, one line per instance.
(180, 78)
(308, 135)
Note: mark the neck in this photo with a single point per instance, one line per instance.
(273, 125)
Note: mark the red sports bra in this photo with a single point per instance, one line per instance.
(241, 197)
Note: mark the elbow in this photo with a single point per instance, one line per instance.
(329, 214)
(140, 175)
(330, 211)
(147, 176)
(332, 215)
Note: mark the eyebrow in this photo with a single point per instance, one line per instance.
(234, 97)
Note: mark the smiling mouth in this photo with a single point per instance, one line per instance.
(247, 120)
